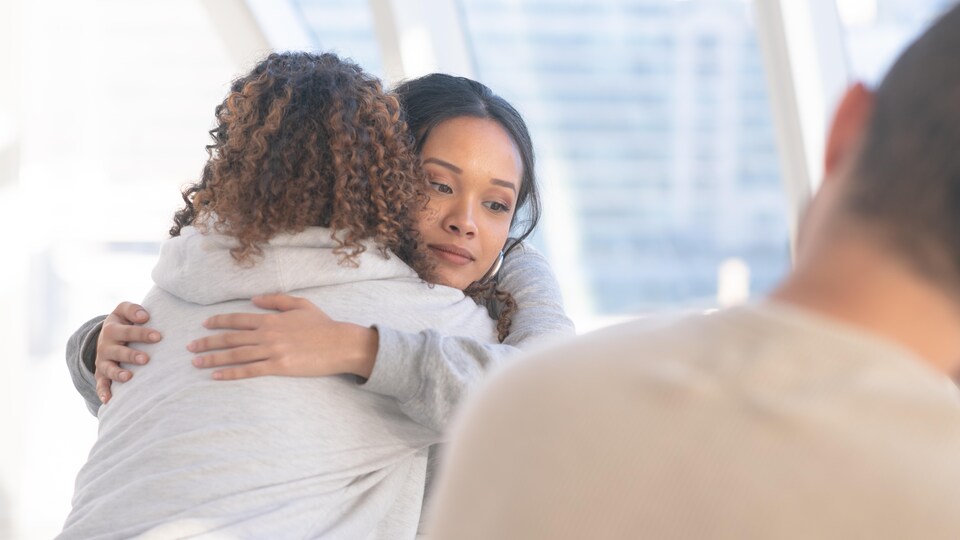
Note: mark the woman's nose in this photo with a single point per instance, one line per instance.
(460, 222)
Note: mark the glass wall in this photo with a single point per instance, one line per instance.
(116, 100)
(342, 26)
(655, 142)
(877, 30)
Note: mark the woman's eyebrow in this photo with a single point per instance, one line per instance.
(504, 183)
(458, 170)
(444, 164)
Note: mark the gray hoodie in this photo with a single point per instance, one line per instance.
(179, 454)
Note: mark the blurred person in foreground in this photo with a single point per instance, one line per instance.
(827, 410)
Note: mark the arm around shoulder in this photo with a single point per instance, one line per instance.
(540, 315)
(430, 373)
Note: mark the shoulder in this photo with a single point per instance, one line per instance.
(524, 255)
(598, 354)
(585, 373)
(598, 431)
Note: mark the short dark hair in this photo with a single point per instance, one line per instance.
(430, 100)
(906, 180)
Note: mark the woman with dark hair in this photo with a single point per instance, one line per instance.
(311, 185)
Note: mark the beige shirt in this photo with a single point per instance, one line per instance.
(758, 422)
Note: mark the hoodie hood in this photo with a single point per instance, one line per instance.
(198, 267)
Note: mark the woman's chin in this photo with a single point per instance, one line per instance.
(455, 281)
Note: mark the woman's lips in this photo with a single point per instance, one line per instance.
(451, 254)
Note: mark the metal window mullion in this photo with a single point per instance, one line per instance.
(417, 37)
(805, 64)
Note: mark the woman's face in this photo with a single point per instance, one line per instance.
(475, 171)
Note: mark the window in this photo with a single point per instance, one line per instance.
(342, 26)
(654, 139)
(877, 30)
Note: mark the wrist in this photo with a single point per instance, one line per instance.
(88, 348)
(363, 345)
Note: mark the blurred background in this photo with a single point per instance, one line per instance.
(678, 141)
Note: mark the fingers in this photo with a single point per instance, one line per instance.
(111, 371)
(103, 389)
(258, 369)
(131, 312)
(236, 321)
(280, 302)
(224, 341)
(240, 355)
(121, 355)
(127, 333)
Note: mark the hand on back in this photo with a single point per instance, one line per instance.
(121, 328)
(300, 340)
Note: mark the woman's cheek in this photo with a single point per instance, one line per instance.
(430, 214)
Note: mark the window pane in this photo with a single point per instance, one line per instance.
(116, 101)
(655, 143)
(877, 30)
(345, 27)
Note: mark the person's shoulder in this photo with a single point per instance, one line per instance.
(619, 341)
(523, 257)
(630, 361)
(588, 362)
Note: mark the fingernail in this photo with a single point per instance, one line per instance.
(124, 375)
(141, 314)
(141, 359)
(217, 375)
(103, 398)
(206, 323)
(192, 346)
(154, 336)
(198, 361)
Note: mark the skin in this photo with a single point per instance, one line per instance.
(842, 263)
(475, 170)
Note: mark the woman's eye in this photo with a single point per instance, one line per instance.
(498, 207)
(442, 188)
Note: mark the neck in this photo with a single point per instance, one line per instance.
(853, 279)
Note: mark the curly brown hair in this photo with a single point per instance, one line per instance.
(311, 140)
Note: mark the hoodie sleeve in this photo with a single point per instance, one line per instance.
(430, 373)
(81, 355)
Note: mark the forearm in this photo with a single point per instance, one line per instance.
(80, 354)
(430, 373)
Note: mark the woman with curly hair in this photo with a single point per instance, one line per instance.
(312, 185)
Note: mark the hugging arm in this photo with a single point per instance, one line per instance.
(97, 350)
(81, 355)
(430, 373)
